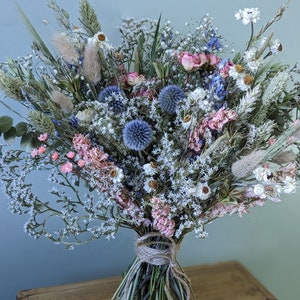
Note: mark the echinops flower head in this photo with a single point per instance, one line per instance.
(169, 97)
(137, 135)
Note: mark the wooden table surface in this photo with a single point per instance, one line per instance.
(220, 281)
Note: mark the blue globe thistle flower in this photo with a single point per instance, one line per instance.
(169, 97)
(113, 94)
(137, 134)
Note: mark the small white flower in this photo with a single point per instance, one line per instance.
(202, 191)
(150, 185)
(150, 169)
(101, 40)
(117, 175)
(263, 174)
(242, 85)
(248, 15)
(259, 190)
(289, 185)
(233, 72)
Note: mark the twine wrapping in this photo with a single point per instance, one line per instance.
(147, 249)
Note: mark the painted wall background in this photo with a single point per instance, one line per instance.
(266, 241)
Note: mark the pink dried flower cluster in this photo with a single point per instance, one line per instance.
(193, 62)
(215, 121)
(161, 217)
(219, 210)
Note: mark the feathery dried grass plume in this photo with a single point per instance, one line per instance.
(285, 157)
(65, 48)
(244, 167)
(63, 101)
(91, 65)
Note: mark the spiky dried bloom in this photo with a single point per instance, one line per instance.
(244, 167)
(41, 122)
(11, 86)
(63, 101)
(65, 48)
(274, 91)
(91, 64)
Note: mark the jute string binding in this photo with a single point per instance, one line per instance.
(146, 253)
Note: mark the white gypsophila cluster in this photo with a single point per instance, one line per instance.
(167, 153)
(274, 91)
(198, 97)
(248, 101)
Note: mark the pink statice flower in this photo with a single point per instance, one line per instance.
(214, 121)
(218, 119)
(161, 215)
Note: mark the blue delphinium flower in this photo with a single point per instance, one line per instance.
(214, 42)
(137, 134)
(114, 96)
(169, 97)
(217, 87)
(74, 121)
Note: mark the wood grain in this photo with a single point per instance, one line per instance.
(221, 281)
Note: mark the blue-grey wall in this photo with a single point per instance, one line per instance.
(267, 241)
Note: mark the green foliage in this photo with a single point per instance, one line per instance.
(21, 130)
(5, 123)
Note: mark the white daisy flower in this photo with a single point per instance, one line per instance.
(203, 191)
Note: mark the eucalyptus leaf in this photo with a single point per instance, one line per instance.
(10, 135)
(26, 140)
(21, 128)
(6, 123)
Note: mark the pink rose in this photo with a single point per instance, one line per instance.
(133, 78)
(213, 60)
(67, 167)
(190, 62)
